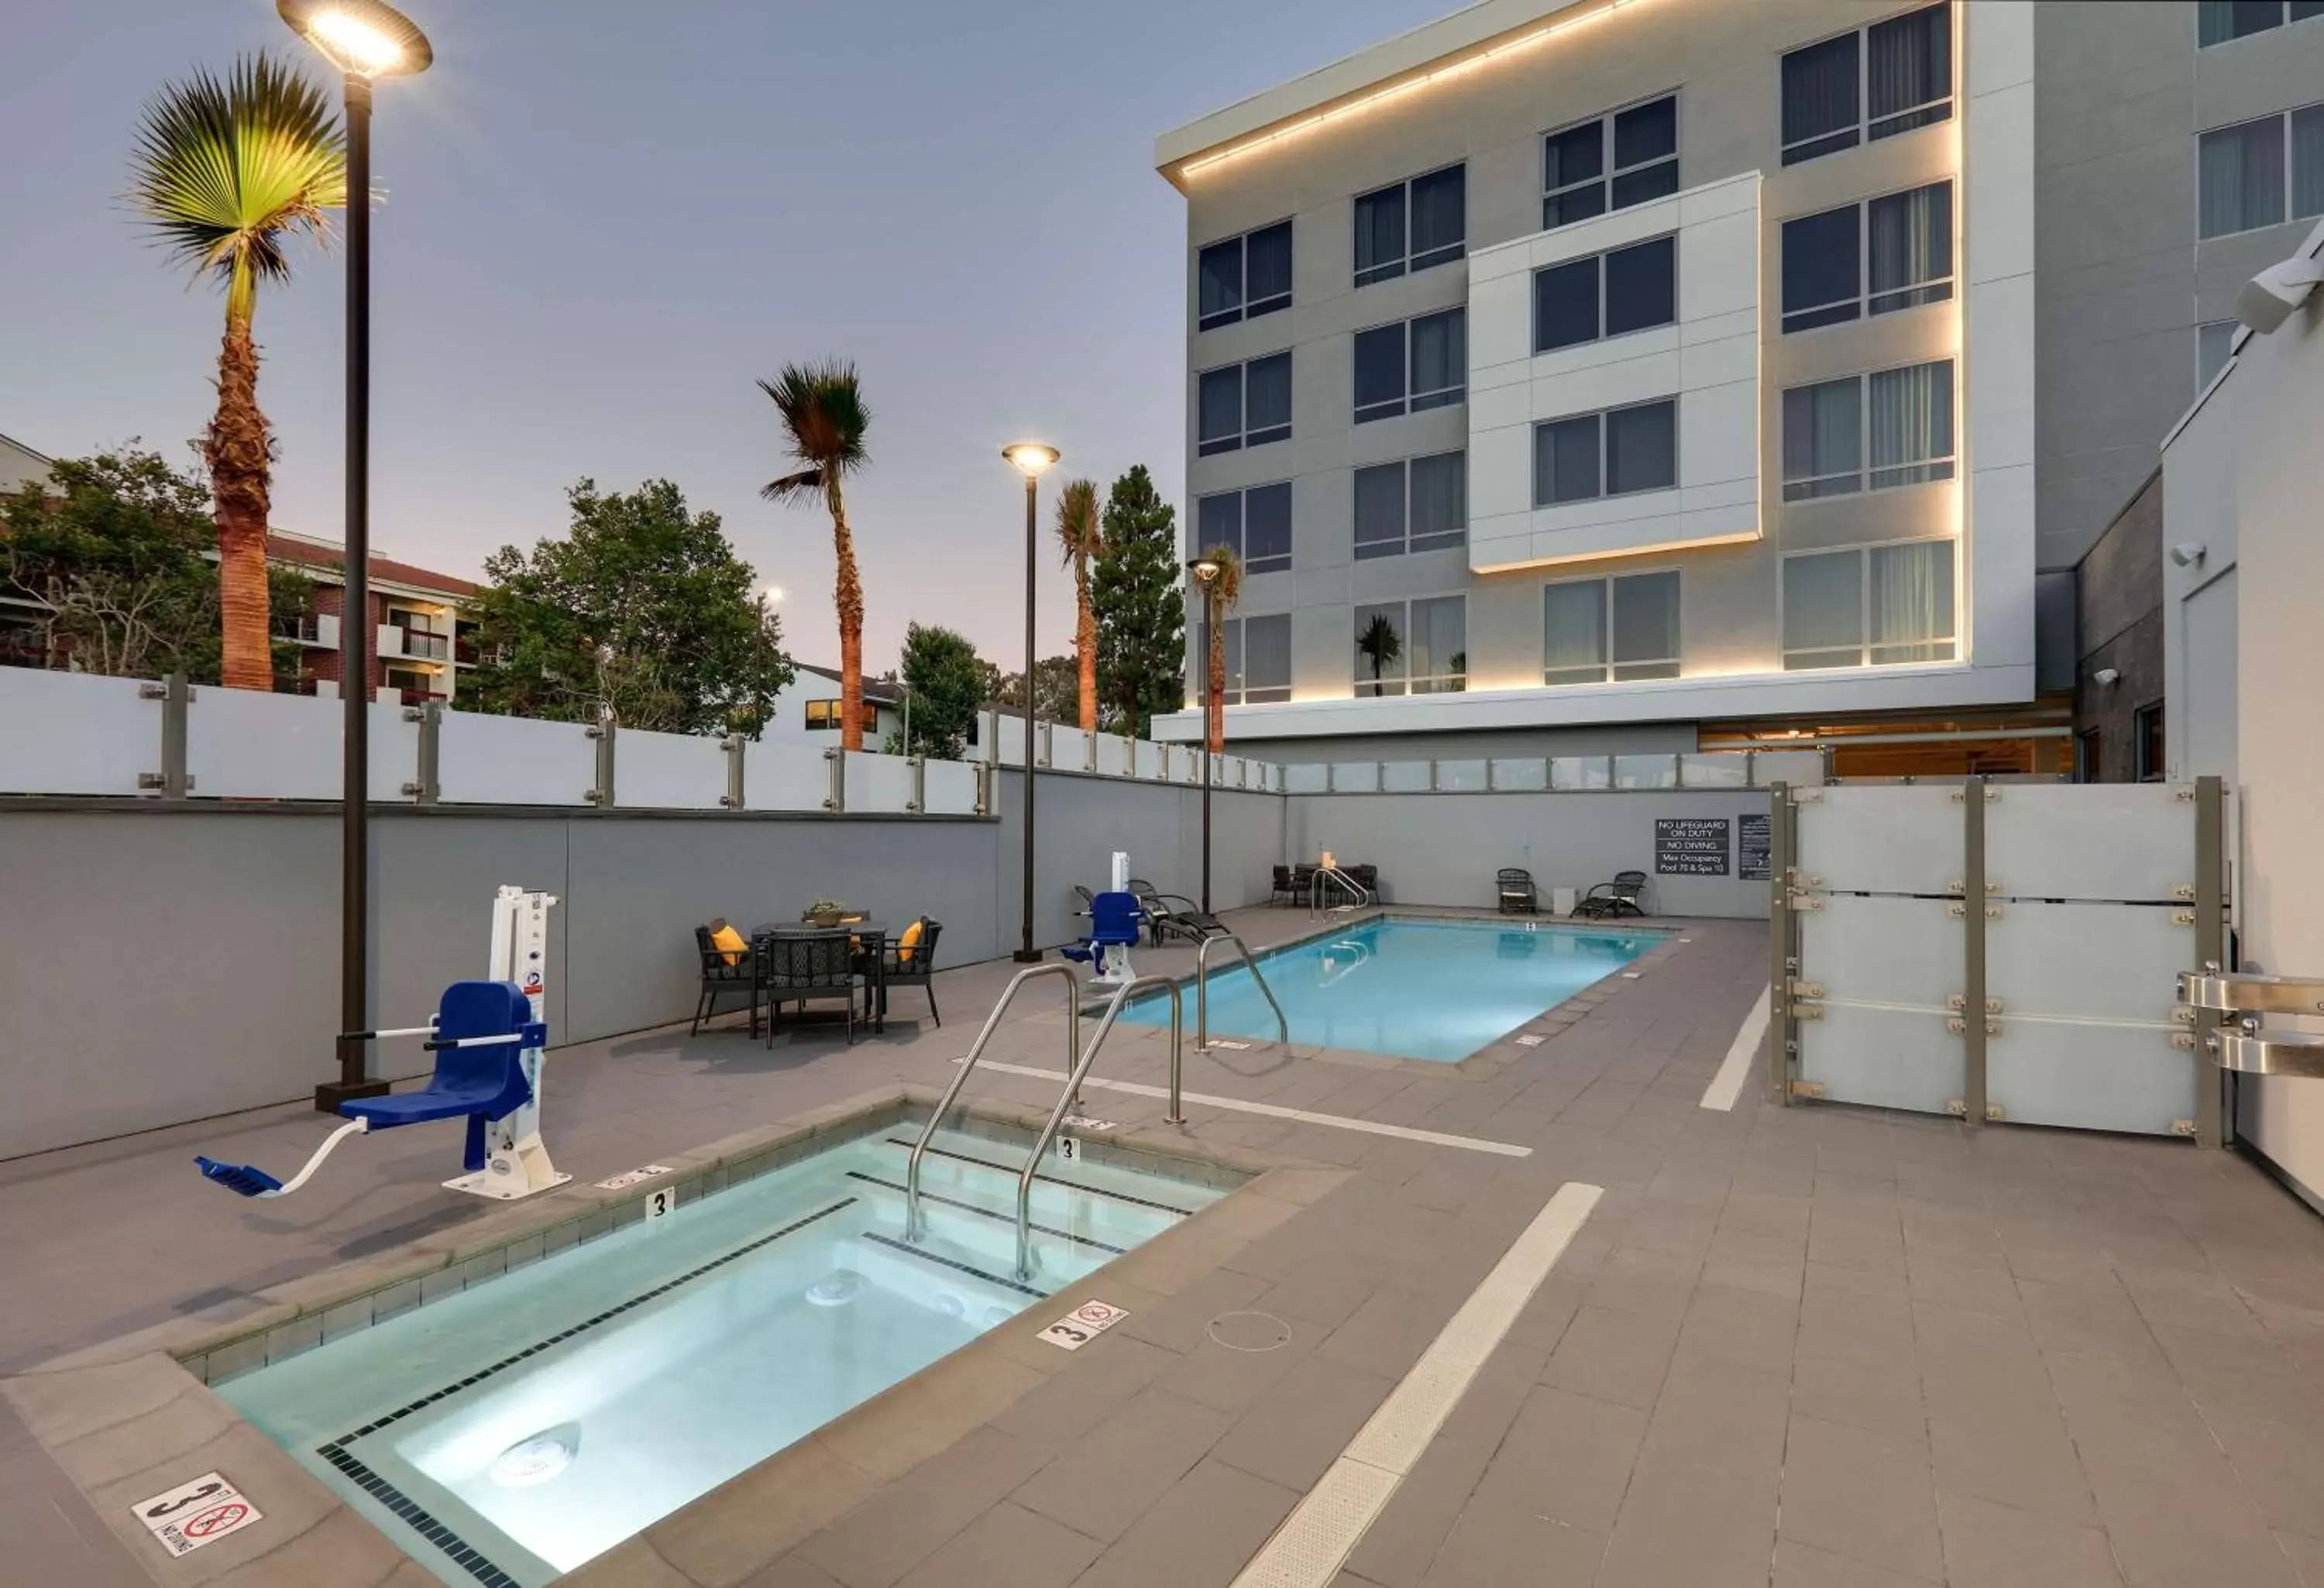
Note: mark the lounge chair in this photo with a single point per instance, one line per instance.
(1366, 877)
(726, 973)
(1283, 889)
(1515, 889)
(1174, 915)
(800, 967)
(1625, 895)
(912, 964)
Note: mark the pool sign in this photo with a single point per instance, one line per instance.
(191, 1514)
(662, 1201)
(1085, 1324)
(628, 1177)
(1691, 845)
(1752, 833)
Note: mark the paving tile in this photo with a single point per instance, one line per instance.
(1177, 1324)
(1102, 1376)
(1687, 1525)
(1387, 1333)
(1404, 1539)
(2282, 1464)
(1202, 1530)
(906, 1522)
(1751, 1328)
(1654, 1284)
(1797, 1565)
(1568, 1456)
(1488, 1405)
(1324, 1289)
(1615, 1356)
(1300, 1426)
(1970, 1285)
(1994, 1442)
(747, 1521)
(1108, 1478)
(2189, 1526)
(1854, 1493)
(1008, 1546)
(1498, 1541)
(790, 1571)
(1237, 1360)
(2306, 1555)
(1880, 1397)
(1990, 1546)
(1718, 1415)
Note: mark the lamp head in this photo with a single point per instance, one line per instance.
(2268, 298)
(1029, 459)
(2190, 553)
(1204, 569)
(364, 39)
(2107, 675)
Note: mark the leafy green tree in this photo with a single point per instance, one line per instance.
(119, 553)
(1141, 615)
(947, 684)
(644, 606)
(1056, 690)
(225, 173)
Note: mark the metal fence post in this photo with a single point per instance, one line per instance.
(1782, 1031)
(919, 799)
(834, 771)
(734, 744)
(424, 786)
(175, 695)
(1973, 917)
(602, 730)
(2214, 1122)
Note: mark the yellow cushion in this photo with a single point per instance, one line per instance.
(731, 942)
(910, 942)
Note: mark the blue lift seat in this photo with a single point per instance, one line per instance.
(480, 1084)
(1114, 922)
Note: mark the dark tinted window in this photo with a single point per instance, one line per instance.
(1908, 74)
(1642, 448)
(1820, 105)
(1565, 460)
(1822, 277)
(1219, 426)
(1379, 511)
(1646, 131)
(1266, 528)
(1267, 399)
(1565, 305)
(1440, 359)
(1440, 501)
(1267, 270)
(1642, 286)
(1380, 371)
(1220, 292)
(1379, 235)
(1219, 522)
(1440, 216)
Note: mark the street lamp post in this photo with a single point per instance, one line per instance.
(1032, 459)
(364, 39)
(1206, 574)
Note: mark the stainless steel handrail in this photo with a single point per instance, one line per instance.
(1202, 992)
(1073, 1047)
(1072, 1086)
(1361, 894)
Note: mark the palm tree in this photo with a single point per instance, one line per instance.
(1081, 537)
(1226, 589)
(823, 420)
(1380, 645)
(225, 172)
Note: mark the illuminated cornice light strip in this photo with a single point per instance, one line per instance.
(1689, 543)
(1410, 85)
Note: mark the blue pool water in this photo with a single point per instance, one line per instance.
(1417, 989)
(505, 1435)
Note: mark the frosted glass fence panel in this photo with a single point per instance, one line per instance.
(786, 777)
(1403, 777)
(394, 759)
(668, 772)
(879, 782)
(1008, 740)
(2086, 992)
(1645, 771)
(1886, 967)
(1355, 777)
(1581, 771)
(242, 745)
(2132, 841)
(1799, 769)
(951, 788)
(1882, 838)
(1149, 759)
(515, 760)
(1069, 749)
(1460, 776)
(1113, 756)
(1715, 771)
(1306, 778)
(1529, 771)
(76, 732)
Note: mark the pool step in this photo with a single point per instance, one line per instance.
(990, 1184)
(975, 1152)
(937, 1203)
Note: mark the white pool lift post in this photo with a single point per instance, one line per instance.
(517, 1164)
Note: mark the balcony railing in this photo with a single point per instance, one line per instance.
(425, 644)
(309, 628)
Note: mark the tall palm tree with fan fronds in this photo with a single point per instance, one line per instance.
(1080, 537)
(1226, 587)
(824, 418)
(226, 171)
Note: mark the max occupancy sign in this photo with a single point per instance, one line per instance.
(1691, 845)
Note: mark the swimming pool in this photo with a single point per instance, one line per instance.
(1413, 987)
(507, 1435)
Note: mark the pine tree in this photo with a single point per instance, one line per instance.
(1141, 615)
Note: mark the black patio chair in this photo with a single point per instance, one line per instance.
(1625, 895)
(1174, 915)
(1283, 889)
(726, 973)
(913, 965)
(1303, 880)
(1513, 885)
(1366, 877)
(804, 967)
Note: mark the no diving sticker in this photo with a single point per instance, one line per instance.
(197, 1513)
(1085, 1324)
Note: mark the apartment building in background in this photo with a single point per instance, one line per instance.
(1577, 376)
(423, 624)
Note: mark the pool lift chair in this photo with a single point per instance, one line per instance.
(1114, 921)
(487, 1036)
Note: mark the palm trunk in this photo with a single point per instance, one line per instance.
(1086, 642)
(1216, 710)
(236, 454)
(849, 600)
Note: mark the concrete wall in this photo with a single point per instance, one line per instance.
(1445, 848)
(2119, 625)
(159, 964)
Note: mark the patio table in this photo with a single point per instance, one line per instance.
(869, 940)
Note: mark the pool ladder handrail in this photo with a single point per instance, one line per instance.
(1361, 894)
(1202, 991)
(975, 1051)
(1072, 1091)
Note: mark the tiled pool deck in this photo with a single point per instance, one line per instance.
(1807, 1348)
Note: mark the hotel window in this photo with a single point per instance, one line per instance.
(1615, 452)
(1254, 524)
(2261, 173)
(2146, 739)
(1610, 162)
(2216, 21)
(1620, 628)
(1871, 605)
(1891, 253)
(824, 717)
(1412, 365)
(2215, 344)
(1244, 277)
(1412, 225)
(1422, 505)
(1894, 427)
(1420, 647)
(1869, 83)
(1605, 295)
(1257, 658)
(1244, 405)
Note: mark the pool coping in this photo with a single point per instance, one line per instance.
(1488, 1060)
(135, 1416)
